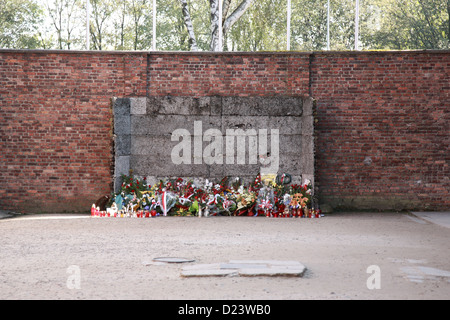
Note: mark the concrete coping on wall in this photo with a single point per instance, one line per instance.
(131, 52)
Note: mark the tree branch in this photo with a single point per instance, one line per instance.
(240, 10)
(430, 24)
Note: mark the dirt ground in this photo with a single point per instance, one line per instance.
(41, 255)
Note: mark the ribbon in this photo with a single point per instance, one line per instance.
(183, 200)
(214, 200)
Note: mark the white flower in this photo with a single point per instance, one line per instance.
(287, 198)
(208, 184)
(307, 182)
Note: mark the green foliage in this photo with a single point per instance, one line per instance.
(132, 185)
(411, 24)
(18, 24)
(128, 24)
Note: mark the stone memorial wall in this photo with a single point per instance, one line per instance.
(213, 137)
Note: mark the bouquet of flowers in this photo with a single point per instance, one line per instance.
(183, 198)
(265, 201)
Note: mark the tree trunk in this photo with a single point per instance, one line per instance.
(214, 8)
(122, 26)
(189, 26)
(225, 8)
(226, 23)
(448, 12)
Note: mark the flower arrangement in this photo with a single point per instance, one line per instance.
(177, 197)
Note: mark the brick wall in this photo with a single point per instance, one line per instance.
(55, 126)
(236, 74)
(382, 136)
(383, 129)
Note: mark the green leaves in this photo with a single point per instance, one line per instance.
(132, 185)
(19, 24)
(128, 25)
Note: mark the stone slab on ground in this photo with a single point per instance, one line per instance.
(247, 268)
(209, 273)
(5, 214)
(441, 218)
(272, 272)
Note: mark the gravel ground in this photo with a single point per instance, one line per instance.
(79, 257)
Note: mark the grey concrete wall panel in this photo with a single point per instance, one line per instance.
(143, 129)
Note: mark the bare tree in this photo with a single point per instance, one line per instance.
(101, 11)
(62, 14)
(119, 24)
(138, 8)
